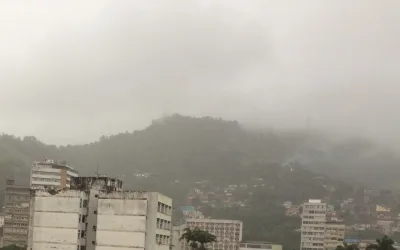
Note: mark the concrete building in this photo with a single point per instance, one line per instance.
(16, 219)
(51, 174)
(259, 245)
(334, 234)
(177, 231)
(228, 232)
(1, 228)
(99, 220)
(292, 211)
(313, 225)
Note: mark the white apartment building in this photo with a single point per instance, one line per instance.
(334, 234)
(228, 232)
(313, 225)
(99, 220)
(51, 174)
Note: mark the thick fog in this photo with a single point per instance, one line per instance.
(71, 71)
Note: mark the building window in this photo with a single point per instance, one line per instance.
(94, 228)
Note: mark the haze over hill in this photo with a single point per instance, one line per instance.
(180, 147)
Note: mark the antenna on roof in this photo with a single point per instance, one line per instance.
(97, 171)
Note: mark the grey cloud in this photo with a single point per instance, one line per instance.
(117, 66)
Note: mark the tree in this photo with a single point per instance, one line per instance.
(385, 243)
(197, 239)
(12, 247)
(347, 247)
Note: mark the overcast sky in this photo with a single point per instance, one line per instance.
(71, 71)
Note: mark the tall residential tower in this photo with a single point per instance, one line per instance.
(313, 225)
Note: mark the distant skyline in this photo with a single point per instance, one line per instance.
(72, 71)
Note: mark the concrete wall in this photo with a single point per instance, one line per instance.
(121, 223)
(55, 220)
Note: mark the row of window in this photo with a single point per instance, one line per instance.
(220, 229)
(163, 224)
(217, 246)
(315, 206)
(311, 238)
(14, 211)
(18, 197)
(162, 239)
(20, 217)
(314, 222)
(16, 224)
(163, 208)
(215, 225)
(313, 212)
(45, 179)
(11, 205)
(313, 228)
(312, 233)
(15, 230)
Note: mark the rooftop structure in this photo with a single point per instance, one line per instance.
(102, 183)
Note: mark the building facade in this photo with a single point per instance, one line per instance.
(313, 225)
(99, 220)
(259, 245)
(16, 219)
(1, 228)
(51, 174)
(228, 232)
(334, 234)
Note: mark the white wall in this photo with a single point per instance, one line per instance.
(56, 204)
(121, 224)
(54, 222)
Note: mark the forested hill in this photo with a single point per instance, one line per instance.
(180, 147)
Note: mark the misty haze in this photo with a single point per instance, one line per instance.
(199, 124)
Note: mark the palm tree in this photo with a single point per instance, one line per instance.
(385, 243)
(197, 239)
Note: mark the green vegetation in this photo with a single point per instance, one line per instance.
(13, 247)
(385, 243)
(197, 239)
(348, 247)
